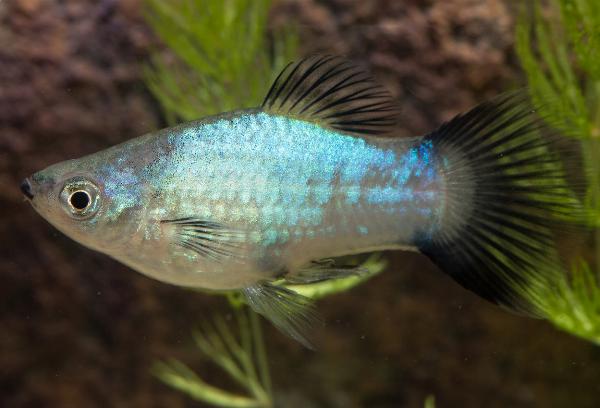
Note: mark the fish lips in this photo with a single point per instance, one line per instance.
(36, 185)
(27, 189)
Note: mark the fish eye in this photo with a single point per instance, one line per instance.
(80, 198)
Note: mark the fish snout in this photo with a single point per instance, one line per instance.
(26, 188)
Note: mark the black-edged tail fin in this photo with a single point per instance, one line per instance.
(507, 201)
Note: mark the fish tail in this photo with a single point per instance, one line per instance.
(511, 191)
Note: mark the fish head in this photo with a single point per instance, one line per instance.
(84, 200)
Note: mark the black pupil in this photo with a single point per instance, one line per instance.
(80, 200)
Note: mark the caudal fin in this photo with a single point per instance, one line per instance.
(507, 202)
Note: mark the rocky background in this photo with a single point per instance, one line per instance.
(80, 330)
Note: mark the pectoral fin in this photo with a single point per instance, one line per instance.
(290, 312)
(206, 238)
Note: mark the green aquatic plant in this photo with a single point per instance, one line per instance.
(558, 48)
(225, 58)
(558, 42)
(429, 402)
(575, 304)
(222, 57)
(242, 357)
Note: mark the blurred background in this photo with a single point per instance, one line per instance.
(78, 329)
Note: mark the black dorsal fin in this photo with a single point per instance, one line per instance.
(332, 92)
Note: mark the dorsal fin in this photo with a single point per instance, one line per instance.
(333, 92)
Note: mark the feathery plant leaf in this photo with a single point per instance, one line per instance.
(180, 377)
(224, 57)
(558, 42)
(242, 357)
(553, 82)
(575, 305)
(563, 74)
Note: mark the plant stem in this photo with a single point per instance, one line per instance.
(261, 352)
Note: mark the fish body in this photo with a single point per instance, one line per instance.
(239, 200)
(288, 191)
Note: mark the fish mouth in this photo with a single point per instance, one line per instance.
(26, 189)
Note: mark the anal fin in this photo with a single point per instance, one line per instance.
(293, 314)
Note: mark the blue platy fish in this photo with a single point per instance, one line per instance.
(239, 200)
